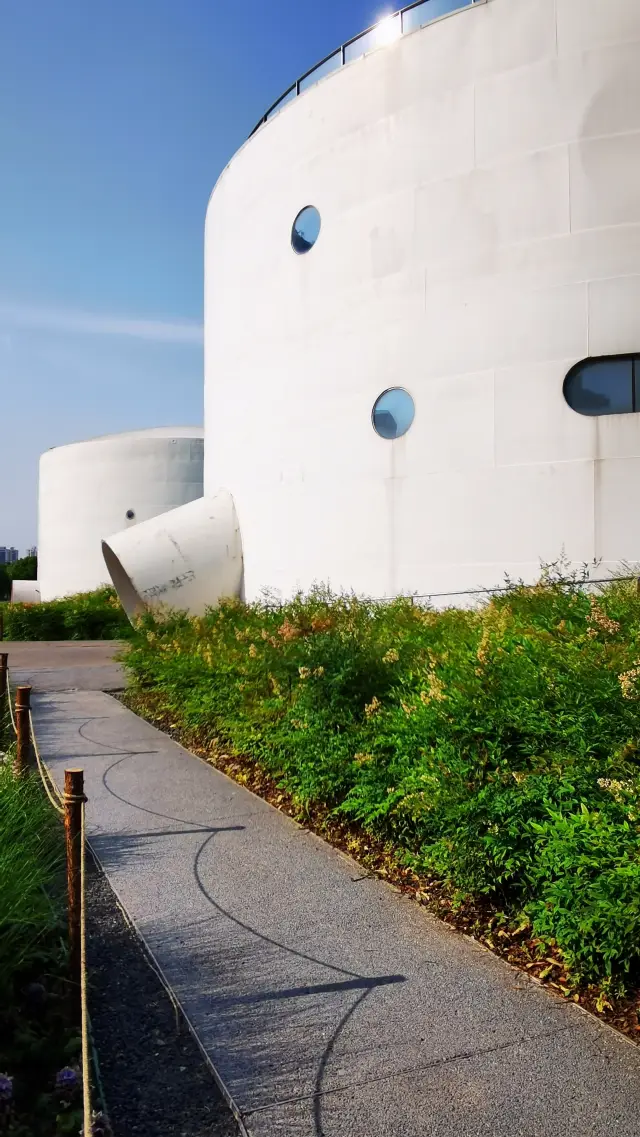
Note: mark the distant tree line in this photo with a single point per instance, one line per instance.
(26, 568)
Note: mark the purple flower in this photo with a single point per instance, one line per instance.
(6, 1088)
(67, 1080)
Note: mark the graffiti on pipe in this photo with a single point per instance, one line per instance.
(169, 585)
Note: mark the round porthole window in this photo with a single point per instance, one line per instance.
(129, 515)
(305, 229)
(393, 412)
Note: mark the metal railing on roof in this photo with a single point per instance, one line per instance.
(575, 583)
(386, 31)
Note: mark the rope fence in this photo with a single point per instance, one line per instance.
(70, 806)
(84, 1021)
(4, 687)
(51, 790)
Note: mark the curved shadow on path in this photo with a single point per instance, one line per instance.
(254, 931)
(326, 1058)
(354, 980)
(111, 749)
(144, 808)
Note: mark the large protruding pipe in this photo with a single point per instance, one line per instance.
(187, 559)
(25, 592)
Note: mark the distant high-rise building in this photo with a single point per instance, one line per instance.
(32, 552)
(8, 556)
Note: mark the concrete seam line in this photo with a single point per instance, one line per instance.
(408, 1072)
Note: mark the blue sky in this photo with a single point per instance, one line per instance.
(116, 117)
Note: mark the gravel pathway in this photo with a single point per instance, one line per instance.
(156, 1082)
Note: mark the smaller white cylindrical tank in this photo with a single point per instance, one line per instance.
(187, 559)
(25, 592)
(91, 489)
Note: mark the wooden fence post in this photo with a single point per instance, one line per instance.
(23, 730)
(4, 663)
(73, 803)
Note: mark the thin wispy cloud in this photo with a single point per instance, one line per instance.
(76, 322)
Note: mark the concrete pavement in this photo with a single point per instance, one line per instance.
(59, 665)
(329, 1004)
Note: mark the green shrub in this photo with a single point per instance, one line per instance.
(478, 741)
(31, 860)
(586, 877)
(86, 616)
(37, 1037)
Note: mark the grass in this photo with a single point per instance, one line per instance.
(493, 754)
(36, 1038)
(86, 616)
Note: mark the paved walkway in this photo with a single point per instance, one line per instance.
(58, 665)
(329, 1004)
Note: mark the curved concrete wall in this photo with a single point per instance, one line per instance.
(479, 187)
(25, 592)
(87, 489)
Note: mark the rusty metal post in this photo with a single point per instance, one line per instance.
(23, 740)
(4, 664)
(73, 800)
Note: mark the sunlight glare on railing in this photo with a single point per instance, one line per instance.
(389, 28)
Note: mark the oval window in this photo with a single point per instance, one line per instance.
(604, 386)
(393, 412)
(305, 229)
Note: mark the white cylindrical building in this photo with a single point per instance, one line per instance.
(88, 490)
(25, 592)
(477, 236)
